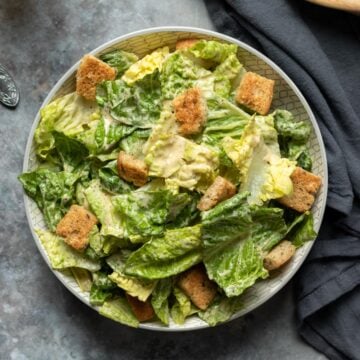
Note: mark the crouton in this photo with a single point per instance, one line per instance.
(305, 187)
(190, 111)
(92, 72)
(255, 92)
(221, 189)
(197, 286)
(132, 169)
(279, 255)
(142, 310)
(185, 43)
(75, 227)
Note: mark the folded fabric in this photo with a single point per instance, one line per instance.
(319, 49)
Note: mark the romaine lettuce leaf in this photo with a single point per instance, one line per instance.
(293, 138)
(62, 256)
(160, 299)
(101, 204)
(191, 165)
(137, 106)
(103, 135)
(120, 311)
(69, 114)
(182, 307)
(102, 288)
(263, 173)
(162, 257)
(221, 309)
(99, 296)
(111, 181)
(145, 213)
(73, 154)
(139, 288)
(302, 229)
(179, 73)
(213, 50)
(145, 66)
(120, 60)
(225, 73)
(134, 143)
(53, 192)
(224, 119)
(235, 235)
(83, 278)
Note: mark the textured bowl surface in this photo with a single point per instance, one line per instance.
(286, 96)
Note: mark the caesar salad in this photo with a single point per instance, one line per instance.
(169, 185)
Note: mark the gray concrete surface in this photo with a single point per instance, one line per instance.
(39, 318)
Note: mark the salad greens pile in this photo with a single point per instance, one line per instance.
(147, 236)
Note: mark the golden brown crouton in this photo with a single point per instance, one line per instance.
(255, 92)
(197, 286)
(305, 187)
(75, 227)
(279, 255)
(132, 169)
(92, 72)
(185, 43)
(190, 111)
(142, 310)
(221, 189)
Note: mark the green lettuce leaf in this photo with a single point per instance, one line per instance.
(161, 257)
(102, 288)
(70, 114)
(213, 50)
(62, 256)
(182, 307)
(225, 75)
(101, 204)
(134, 143)
(146, 212)
(111, 181)
(224, 120)
(221, 309)
(72, 153)
(235, 235)
(302, 230)
(179, 73)
(139, 288)
(160, 299)
(293, 138)
(53, 192)
(103, 135)
(98, 296)
(120, 60)
(120, 311)
(137, 106)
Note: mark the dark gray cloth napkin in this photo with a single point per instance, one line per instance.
(319, 49)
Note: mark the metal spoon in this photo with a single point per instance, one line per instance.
(9, 93)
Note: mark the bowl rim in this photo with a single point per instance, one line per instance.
(288, 276)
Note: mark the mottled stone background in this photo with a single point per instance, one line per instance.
(39, 318)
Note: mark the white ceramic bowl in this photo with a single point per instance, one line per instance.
(287, 96)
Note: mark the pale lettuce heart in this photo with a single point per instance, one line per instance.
(147, 65)
(182, 162)
(135, 287)
(263, 173)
